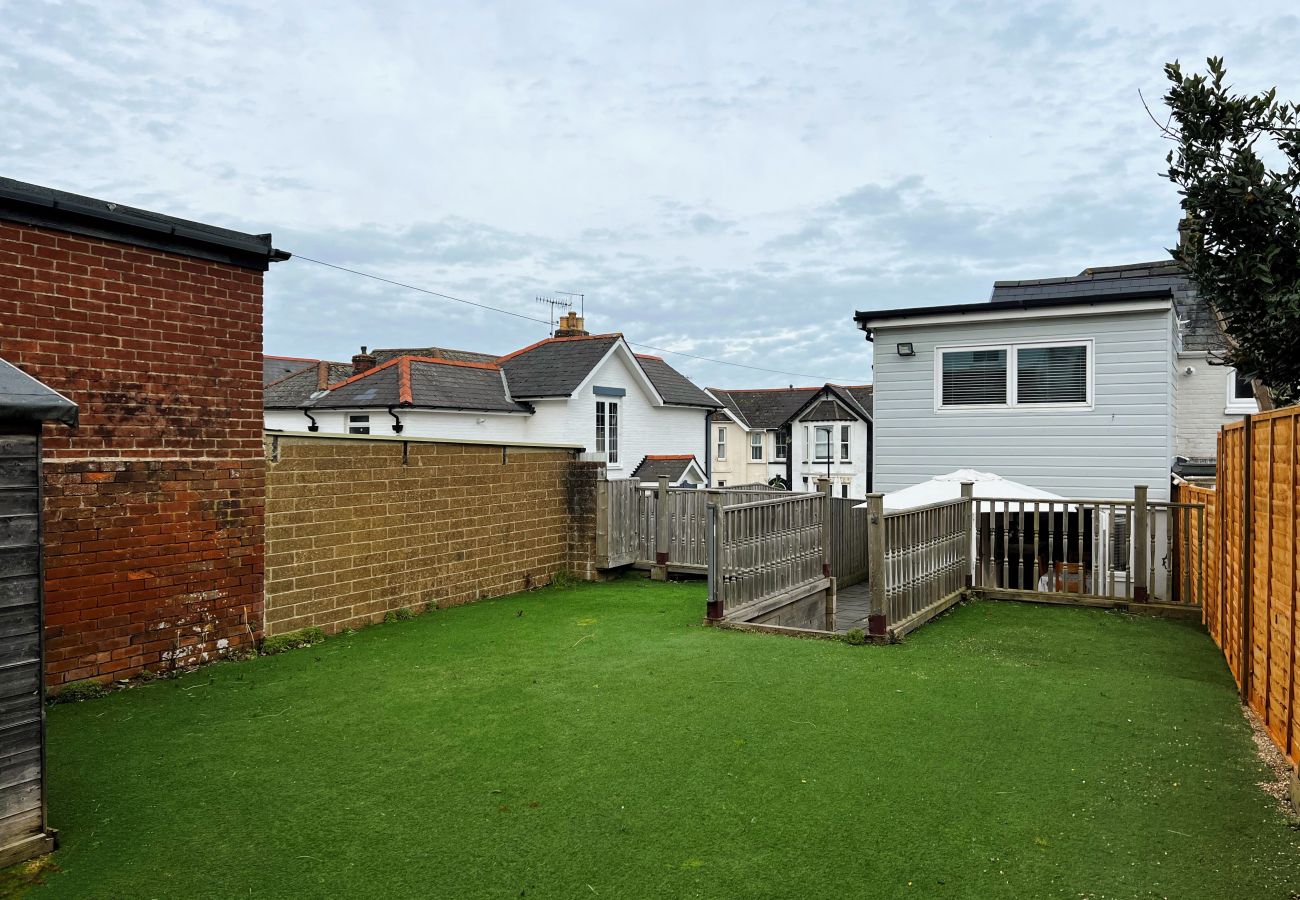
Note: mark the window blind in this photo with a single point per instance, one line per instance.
(1052, 374)
(974, 377)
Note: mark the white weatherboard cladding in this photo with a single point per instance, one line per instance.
(1125, 438)
(644, 428)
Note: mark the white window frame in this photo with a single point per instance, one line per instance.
(1236, 405)
(846, 443)
(357, 422)
(721, 448)
(830, 443)
(756, 443)
(1012, 404)
(777, 455)
(607, 428)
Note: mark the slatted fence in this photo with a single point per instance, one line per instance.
(848, 541)
(926, 559)
(1252, 595)
(764, 549)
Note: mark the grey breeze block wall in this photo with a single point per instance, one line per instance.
(1125, 439)
(353, 531)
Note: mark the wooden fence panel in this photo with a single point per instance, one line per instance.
(848, 542)
(767, 547)
(927, 558)
(1252, 592)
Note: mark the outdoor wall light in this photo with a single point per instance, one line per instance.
(906, 350)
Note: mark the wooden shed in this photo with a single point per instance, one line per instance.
(25, 404)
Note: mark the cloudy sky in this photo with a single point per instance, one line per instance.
(728, 180)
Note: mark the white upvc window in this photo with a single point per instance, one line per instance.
(844, 443)
(358, 424)
(1241, 394)
(607, 430)
(756, 445)
(722, 442)
(1038, 375)
(782, 440)
(823, 442)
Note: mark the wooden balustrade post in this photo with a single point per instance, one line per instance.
(715, 536)
(1141, 532)
(968, 494)
(663, 532)
(877, 614)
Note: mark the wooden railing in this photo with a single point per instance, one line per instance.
(764, 549)
(1135, 549)
(847, 541)
(920, 562)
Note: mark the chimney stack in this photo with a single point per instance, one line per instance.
(363, 362)
(322, 375)
(570, 325)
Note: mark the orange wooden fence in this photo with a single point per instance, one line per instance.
(1252, 594)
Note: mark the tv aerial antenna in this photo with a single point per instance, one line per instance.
(582, 301)
(553, 304)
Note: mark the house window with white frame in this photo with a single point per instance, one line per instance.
(607, 430)
(844, 443)
(358, 424)
(756, 445)
(823, 442)
(1015, 376)
(722, 442)
(1241, 394)
(782, 450)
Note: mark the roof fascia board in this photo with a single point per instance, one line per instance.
(1057, 312)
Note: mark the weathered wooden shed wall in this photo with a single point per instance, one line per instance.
(22, 734)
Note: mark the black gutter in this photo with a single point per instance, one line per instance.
(861, 317)
(32, 204)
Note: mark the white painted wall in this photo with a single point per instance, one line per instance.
(807, 469)
(508, 427)
(1125, 438)
(1203, 405)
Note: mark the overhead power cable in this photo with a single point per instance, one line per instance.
(526, 318)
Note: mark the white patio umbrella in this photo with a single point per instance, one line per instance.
(948, 487)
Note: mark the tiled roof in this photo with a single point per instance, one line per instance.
(672, 385)
(671, 466)
(864, 394)
(383, 356)
(424, 383)
(556, 366)
(766, 408)
(1200, 331)
(296, 389)
(276, 367)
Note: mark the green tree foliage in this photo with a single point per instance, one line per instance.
(1237, 166)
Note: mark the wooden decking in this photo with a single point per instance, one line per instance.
(852, 605)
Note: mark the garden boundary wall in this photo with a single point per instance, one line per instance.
(361, 526)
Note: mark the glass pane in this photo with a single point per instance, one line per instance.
(1052, 375)
(974, 377)
(1242, 389)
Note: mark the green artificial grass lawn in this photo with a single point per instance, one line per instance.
(595, 741)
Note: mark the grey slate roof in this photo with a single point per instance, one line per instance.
(295, 390)
(673, 468)
(672, 385)
(555, 367)
(864, 394)
(1200, 331)
(276, 367)
(433, 385)
(383, 356)
(25, 399)
(765, 408)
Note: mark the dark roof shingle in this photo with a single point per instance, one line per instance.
(556, 366)
(765, 408)
(673, 467)
(672, 385)
(423, 383)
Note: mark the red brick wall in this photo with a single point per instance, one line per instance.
(154, 506)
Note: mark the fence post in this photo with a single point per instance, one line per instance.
(1141, 532)
(877, 614)
(1247, 517)
(714, 537)
(602, 523)
(968, 494)
(663, 532)
(828, 525)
